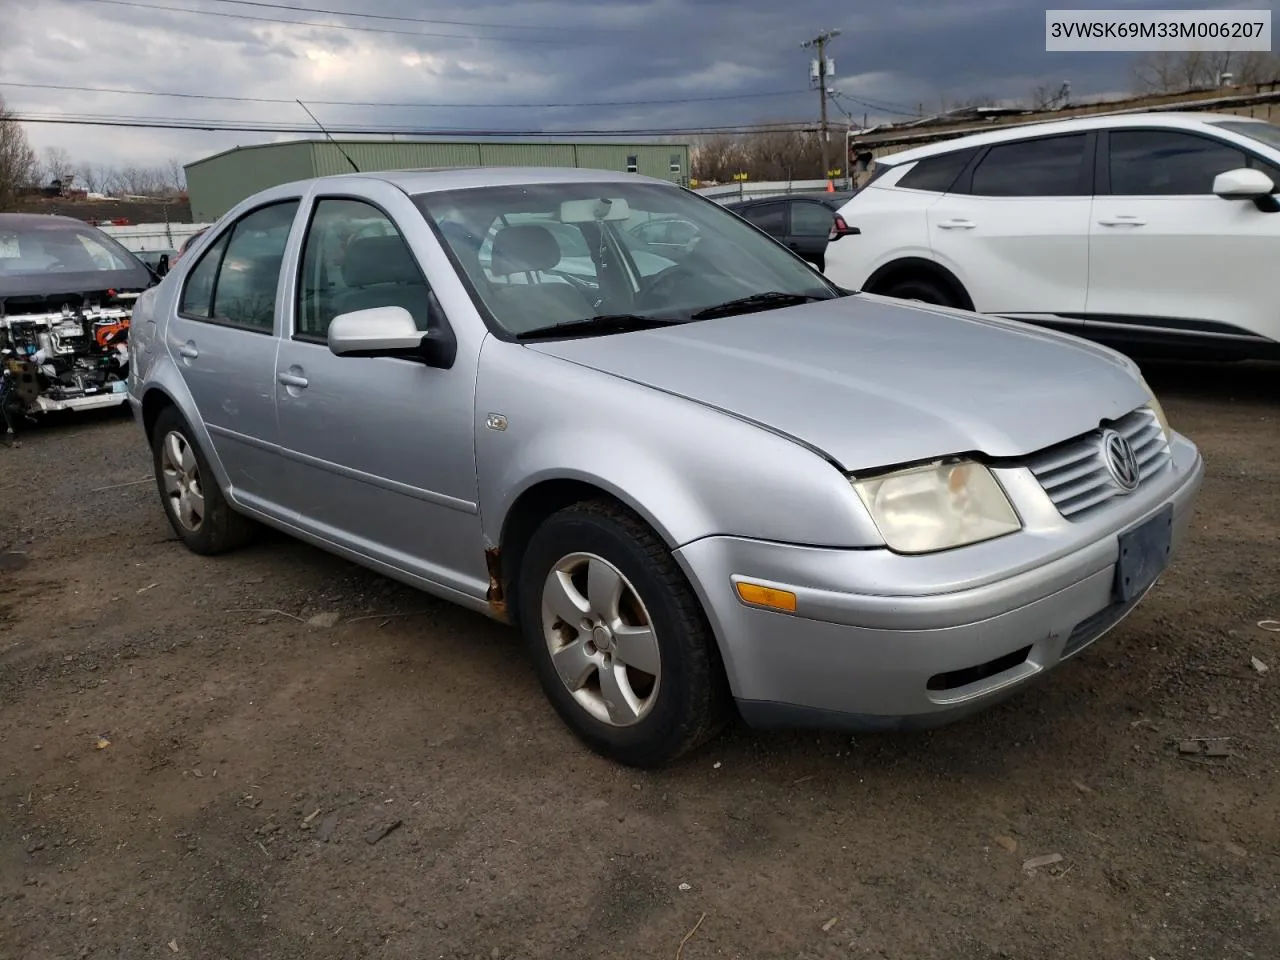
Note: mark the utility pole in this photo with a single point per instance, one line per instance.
(820, 43)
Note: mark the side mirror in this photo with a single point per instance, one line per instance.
(1245, 183)
(162, 266)
(391, 332)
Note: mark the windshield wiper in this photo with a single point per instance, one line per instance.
(605, 323)
(754, 303)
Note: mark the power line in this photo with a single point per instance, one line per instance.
(402, 19)
(344, 26)
(421, 104)
(224, 126)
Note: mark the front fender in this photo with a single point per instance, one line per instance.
(689, 470)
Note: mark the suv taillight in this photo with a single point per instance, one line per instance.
(838, 228)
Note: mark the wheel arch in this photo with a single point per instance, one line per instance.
(530, 508)
(918, 267)
(154, 402)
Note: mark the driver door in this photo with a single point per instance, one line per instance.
(379, 450)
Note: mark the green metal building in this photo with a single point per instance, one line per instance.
(217, 183)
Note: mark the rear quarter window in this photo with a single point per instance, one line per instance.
(937, 174)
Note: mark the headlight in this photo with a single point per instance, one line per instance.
(936, 507)
(1158, 410)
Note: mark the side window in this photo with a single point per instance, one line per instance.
(936, 174)
(811, 219)
(244, 294)
(197, 295)
(1035, 168)
(354, 258)
(769, 217)
(1147, 163)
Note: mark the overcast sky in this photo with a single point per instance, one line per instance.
(891, 57)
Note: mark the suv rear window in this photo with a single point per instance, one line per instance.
(939, 173)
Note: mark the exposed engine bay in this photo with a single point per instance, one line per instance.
(67, 294)
(73, 357)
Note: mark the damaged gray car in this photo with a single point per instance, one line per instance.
(67, 292)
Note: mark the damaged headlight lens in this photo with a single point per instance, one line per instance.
(938, 506)
(1158, 410)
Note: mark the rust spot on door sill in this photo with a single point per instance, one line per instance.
(496, 597)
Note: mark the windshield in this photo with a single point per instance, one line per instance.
(34, 248)
(540, 255)
(1267, 133)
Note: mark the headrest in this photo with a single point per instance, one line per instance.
(526, 248)
(372, 260)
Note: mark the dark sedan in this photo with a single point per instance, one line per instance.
(805, 222)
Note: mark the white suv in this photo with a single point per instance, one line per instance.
(1154, 232)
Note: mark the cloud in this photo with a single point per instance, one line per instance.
(891, 59)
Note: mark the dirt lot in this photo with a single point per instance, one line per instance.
(251, 754)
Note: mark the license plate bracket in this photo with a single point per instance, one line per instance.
(1144, 554)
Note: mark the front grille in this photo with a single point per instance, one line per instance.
(1075, 476)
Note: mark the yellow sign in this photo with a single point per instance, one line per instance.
(740, 176)
(837, 172)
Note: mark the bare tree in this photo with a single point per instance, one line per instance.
(17, 159)
(174, 176)
(1169, 72)
(57, 165)
(717, 158)
(141, 181)
(92, 178)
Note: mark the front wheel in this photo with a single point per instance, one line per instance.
(619, 640)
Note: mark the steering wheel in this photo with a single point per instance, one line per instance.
(661, 287)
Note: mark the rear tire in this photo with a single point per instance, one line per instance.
(200, 515)
(922, 289)
(638, 677)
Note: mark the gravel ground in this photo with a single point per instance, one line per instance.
(187, 769)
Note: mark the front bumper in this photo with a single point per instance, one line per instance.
(882, 641)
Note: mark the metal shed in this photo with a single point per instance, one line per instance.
(217, 183)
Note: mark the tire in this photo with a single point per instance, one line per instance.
(675, 705)
(922, 289)
(216, 527)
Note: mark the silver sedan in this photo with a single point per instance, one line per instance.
(697, 477)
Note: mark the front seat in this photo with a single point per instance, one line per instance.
(530, 249)
(381, 272)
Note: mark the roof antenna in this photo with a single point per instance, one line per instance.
(331, 140)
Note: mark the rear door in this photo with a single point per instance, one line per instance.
(810, 228)
(1015, 227)
(223, 339)
(1169, 257)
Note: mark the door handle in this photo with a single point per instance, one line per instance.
(956, 224)
(291, 379)
(1122, 221)
(188, 351)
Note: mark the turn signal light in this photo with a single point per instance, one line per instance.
(761, 596)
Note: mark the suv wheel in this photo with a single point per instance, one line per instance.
(922, 289)
(198, 512)
(619, 640)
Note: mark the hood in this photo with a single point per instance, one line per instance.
(872, 382)
(53, 284)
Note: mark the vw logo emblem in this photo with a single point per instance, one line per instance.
(1121, 461)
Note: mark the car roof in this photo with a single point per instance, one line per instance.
(430, 180)
(1176, 120)
(821, 197)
